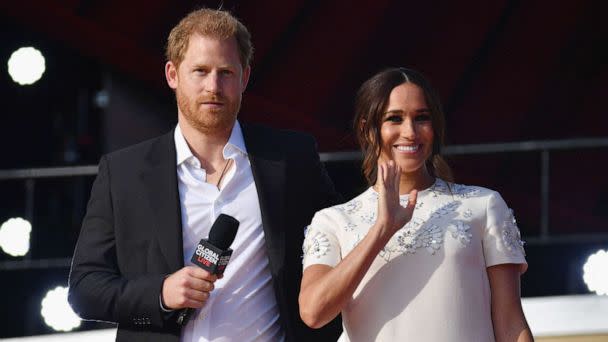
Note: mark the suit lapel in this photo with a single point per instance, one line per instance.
(160, 181)
(268, 166)
(269, 173)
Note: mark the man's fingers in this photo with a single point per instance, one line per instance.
(195, 304)
(198, 296)
(188, 298)
(200, 273)
(199, 284)
(188, 287)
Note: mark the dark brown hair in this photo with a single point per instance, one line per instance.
(371, 103)
(208, 23)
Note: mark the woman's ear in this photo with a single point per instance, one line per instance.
(362, 124)
(369, 135)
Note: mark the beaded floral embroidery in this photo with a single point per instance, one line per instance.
(463, 191)
(423, 233)
(468, 213)
(350, 207)
(511, 237)
(349, 227)
(369, 217)
(460, 231)
(427, 232)
(416, 234)
(444, 210)
(316, 244)
(439, 188)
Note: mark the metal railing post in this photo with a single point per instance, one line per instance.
(30, 187)
(544, 194)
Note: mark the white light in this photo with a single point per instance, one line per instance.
(57, 312)
(15, 236)
(26, 65)
(595, 272)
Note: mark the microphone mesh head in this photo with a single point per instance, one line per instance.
(223, 231)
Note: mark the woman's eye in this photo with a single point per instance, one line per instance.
(393, 118)
(423, 117)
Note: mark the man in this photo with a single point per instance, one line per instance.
(151, 203)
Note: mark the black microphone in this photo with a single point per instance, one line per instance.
(214, 253)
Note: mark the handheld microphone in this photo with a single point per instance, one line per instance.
(213, 253)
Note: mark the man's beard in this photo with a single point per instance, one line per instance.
(206, 120)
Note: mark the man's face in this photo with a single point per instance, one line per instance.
(208, 83)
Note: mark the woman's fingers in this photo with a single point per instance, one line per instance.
(396, 178)
(380, 176)
(411, 201)
(384, 174)
(390, 209)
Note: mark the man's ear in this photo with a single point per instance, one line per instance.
(171, 75)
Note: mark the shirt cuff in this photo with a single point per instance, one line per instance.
(160, 298)
(160, 301)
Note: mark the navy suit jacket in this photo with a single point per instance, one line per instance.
(131, 236)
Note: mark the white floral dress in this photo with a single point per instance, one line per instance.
(429, 283)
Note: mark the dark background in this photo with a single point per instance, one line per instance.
(506, 71)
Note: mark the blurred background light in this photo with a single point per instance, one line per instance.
(57, 312)
(15, 236)
(596, 272)
(26, 65)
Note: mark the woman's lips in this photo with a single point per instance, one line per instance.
(407, 149)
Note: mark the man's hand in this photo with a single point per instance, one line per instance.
(189, 287)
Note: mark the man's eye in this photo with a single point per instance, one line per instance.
(226, 72)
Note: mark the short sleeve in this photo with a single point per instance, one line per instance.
(321, 245)
(502, 241)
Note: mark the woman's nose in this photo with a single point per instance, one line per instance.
(408, 129)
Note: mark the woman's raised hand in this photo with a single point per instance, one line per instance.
(391, 214)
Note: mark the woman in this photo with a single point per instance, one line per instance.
(415, 257)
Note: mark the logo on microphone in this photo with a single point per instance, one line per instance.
(206, 256)
(211, 258)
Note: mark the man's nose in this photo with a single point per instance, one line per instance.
(212, 83)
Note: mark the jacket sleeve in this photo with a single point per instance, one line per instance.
(326, 192)
(97, 288)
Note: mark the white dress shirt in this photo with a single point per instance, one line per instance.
(243, 306)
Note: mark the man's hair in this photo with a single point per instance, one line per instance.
(208, 23)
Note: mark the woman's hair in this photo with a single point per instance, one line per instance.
(371, 103)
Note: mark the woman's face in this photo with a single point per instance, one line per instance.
(406, 129)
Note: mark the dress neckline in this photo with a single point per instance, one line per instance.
(437, 185)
